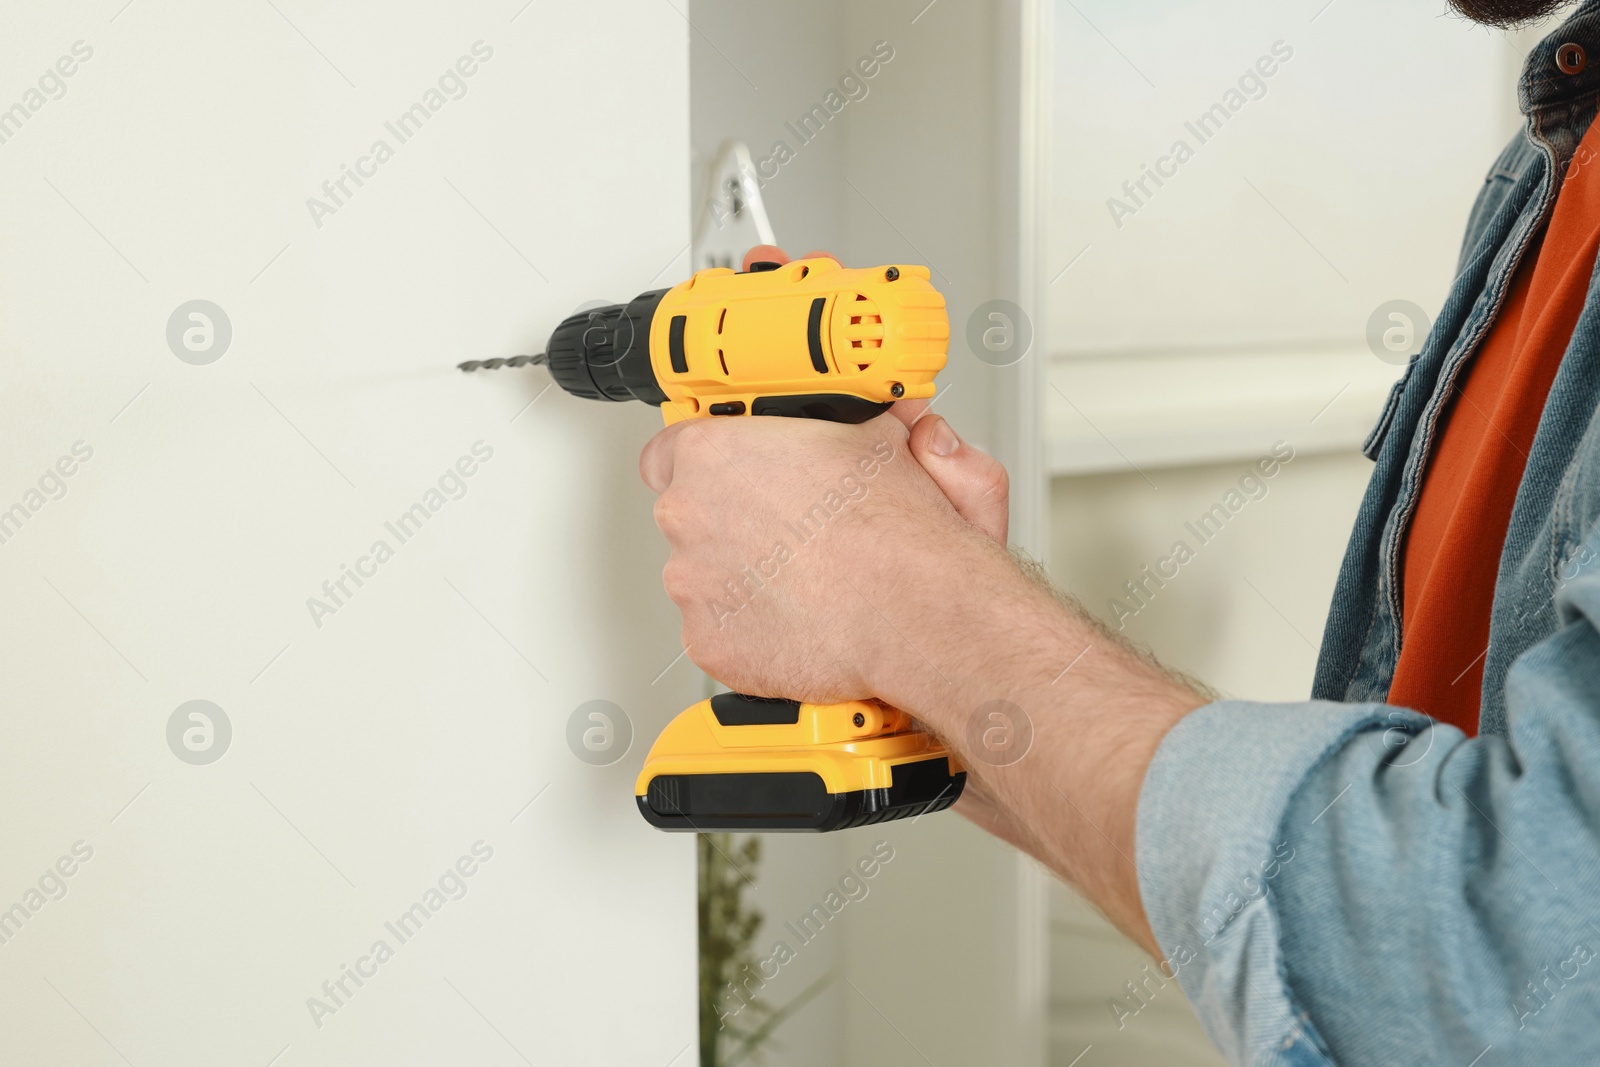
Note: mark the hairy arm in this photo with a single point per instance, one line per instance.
(1091, 711)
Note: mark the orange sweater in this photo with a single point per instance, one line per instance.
(1453, 546)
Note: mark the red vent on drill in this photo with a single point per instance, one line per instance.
(863, 329)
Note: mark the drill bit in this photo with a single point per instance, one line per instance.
(537, 359)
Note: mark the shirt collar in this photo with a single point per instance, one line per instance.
(1548, 79)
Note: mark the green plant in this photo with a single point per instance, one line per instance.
(735, 1021)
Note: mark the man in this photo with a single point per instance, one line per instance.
(1405, 869)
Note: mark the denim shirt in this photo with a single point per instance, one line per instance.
(1345, 881)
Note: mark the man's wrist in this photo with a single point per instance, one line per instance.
(938, 650)
(985, 630)
(1054, 715)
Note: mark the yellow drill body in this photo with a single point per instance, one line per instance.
(806, 328)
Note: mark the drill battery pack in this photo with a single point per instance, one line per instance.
(740, 763)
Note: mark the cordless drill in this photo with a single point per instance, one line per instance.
(807, 339)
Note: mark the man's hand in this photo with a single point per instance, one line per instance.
(784, 569)
(973, 481)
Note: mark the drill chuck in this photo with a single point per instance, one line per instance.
(604, 353)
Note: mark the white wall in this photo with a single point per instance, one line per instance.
(1339, 182)
(371, 752)
(1189, 313)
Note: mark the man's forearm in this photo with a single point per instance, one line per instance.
(1090, 711)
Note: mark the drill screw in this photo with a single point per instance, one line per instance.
(470, 365)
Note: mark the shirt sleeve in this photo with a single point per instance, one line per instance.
(1360, 884)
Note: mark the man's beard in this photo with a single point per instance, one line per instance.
(1507, 14)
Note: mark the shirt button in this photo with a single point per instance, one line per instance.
(1570, 58)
